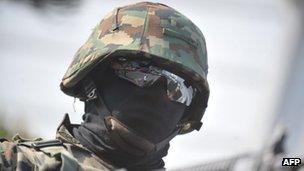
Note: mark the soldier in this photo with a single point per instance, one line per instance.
(142, 76)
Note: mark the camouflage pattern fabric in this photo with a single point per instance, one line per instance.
(149, 31)
(65, 154)
(143, 27)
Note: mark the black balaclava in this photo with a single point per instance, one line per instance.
(145, 110)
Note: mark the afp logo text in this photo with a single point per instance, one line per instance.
(291, 161)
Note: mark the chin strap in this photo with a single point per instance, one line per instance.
(123, 136)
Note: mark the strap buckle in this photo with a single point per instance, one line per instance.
(90, 90)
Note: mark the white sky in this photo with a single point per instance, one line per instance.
(248, 59)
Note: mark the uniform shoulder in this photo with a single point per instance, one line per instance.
(62, 153)
(8, 152)
(25, 154)
(47, 155)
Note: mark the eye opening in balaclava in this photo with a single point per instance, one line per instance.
(142, 74)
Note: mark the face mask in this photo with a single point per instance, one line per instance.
(143, 119)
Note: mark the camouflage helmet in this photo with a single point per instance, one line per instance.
(147, 31)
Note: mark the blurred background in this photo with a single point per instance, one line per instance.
(256, 74)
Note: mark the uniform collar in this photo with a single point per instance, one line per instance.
(64, 131)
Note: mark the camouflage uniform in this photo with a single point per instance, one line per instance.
(144, 31)
(63, 153)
